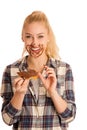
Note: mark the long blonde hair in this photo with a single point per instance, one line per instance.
(52, 48)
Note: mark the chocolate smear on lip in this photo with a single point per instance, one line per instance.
(35, 54)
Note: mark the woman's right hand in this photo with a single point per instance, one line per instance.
(20, 85)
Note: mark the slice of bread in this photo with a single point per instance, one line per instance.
(28, 75)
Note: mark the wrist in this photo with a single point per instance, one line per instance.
(53, 92)
(17, 100)
(20, 94)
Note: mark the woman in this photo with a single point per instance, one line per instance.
(46, 102)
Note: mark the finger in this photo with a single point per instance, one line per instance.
(50, 71)
(48, 68)
(41, 77)
(18, 82)
(25, 82)
(17, 79)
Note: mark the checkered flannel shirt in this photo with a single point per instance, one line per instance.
(38, 111)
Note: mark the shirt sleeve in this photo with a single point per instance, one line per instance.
(10, 115)
(69, 96)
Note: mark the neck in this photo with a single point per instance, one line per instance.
(37, 63)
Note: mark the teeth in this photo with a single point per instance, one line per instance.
(35, 49)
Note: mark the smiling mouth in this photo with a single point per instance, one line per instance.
(35, 51)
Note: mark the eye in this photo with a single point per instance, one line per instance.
(28, 36)
(40, 36)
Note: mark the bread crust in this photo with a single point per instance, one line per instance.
(28, 74)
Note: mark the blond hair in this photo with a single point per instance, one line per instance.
(52, 48)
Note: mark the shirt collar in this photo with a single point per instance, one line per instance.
(51, 63)
(23, 65)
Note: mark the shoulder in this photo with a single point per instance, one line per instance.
(16, 64)
(59, 63)
(60, 67)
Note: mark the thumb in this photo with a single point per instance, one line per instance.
(41, 77)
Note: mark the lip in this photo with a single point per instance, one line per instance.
(35, 51)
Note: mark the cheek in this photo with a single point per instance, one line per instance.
(27, 43)
(45, 45)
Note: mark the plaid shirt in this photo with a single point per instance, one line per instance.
(38, 111)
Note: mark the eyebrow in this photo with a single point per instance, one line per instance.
(36, 34)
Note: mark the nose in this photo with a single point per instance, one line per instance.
(34, 41)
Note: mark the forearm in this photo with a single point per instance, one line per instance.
(17, 100)
(59, 103)
(12, 109)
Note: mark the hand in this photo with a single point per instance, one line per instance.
(20, 85)
(50, 82)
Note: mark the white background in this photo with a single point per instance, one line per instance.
(68, 19)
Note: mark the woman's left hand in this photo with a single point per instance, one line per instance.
(50, 81)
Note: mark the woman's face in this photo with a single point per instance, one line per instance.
(35, 37)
